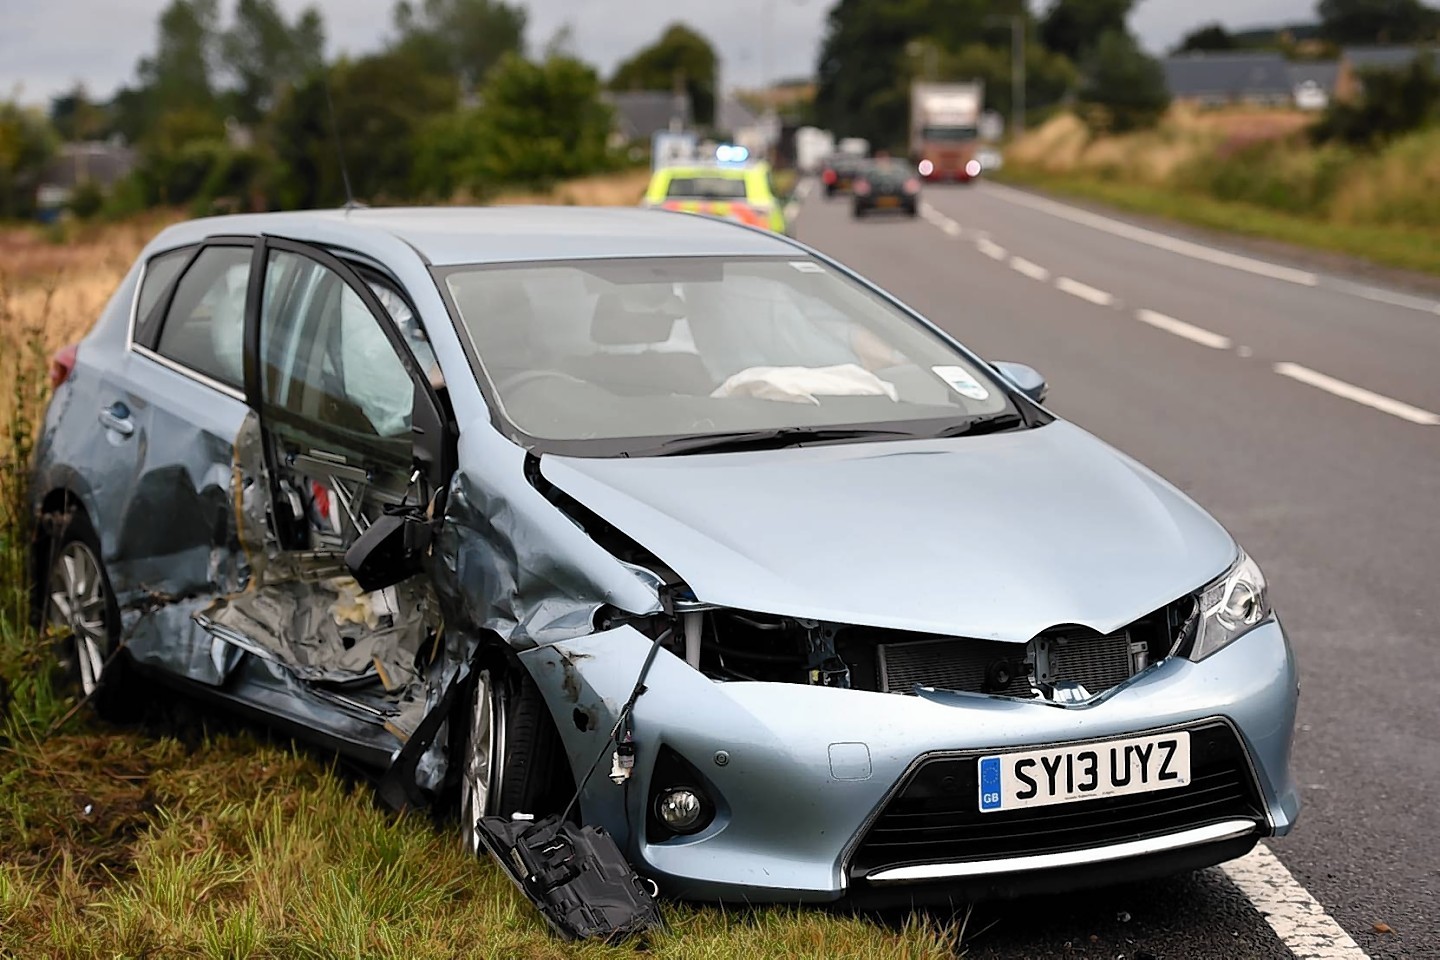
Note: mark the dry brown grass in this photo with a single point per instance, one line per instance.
(623, 189)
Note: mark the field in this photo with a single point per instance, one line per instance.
(189, 836)
(1252, 172)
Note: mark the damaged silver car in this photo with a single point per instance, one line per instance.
(440, 488)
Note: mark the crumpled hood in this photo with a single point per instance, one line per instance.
(994, 537)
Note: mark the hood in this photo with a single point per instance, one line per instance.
(994, 537)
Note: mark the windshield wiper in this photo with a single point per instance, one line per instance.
(979, 426)
(773, 439)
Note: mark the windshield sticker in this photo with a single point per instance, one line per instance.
(961, 382)
(807, 266)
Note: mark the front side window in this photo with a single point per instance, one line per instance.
(204, 328)
(326, 362)
(616, 353)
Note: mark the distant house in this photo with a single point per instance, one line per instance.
(1355, 60)
(640, 114)
(1218, 79)
(97, 162)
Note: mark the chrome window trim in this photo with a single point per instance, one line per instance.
(185, 371)
(1194, 837)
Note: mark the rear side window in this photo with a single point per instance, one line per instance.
(204, 327)
(160, 274)
(707, 188)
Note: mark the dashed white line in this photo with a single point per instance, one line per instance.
(952, 228)
(1084, 291)
(1297, 919)
(1182, 329)
(1149, 237)
(991, 249)
(1032, 270)
(1349, 391)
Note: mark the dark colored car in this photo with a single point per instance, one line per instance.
(886, 185)
(839, 173)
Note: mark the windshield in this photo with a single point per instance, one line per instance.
(707, 188)
(608, 357)
(950, 134)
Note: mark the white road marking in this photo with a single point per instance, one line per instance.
(932, 215)
(1360, 395)
(991, 249)
(1084, 291)
(1129, 231)
(1390, 297)
(1032, 270)
(952, 228)
(1182, 329)
(1297, 919)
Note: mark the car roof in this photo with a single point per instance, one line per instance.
(450, 236)
(715, 170)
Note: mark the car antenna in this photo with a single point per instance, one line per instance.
(350, 202)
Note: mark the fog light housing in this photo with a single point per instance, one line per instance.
(681, 810)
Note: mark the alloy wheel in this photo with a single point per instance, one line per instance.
(79, 604)
(484, 758)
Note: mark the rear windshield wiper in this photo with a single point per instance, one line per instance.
(979, 426)
(773, 439)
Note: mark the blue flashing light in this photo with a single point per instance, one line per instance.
(729, 153)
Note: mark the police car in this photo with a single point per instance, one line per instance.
(729, 187)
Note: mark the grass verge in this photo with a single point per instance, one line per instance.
(187, 839)
(1404, 248)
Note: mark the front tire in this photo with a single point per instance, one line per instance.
(77, 605)
(512, 760)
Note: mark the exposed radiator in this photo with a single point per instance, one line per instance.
(980, 666)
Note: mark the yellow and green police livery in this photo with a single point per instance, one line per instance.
(739, 193)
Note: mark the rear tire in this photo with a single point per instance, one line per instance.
(76, 603)
(512, 760)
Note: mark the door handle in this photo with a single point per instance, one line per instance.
(117, 417)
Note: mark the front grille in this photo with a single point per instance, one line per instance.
(935, 817)
(1098, 663)
(971, 665)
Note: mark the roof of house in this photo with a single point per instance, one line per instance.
(451, 236)
(732, 115)
(104, 163)
(1197, 75)
(640, 114)
(1387, 58)
(1322, 73)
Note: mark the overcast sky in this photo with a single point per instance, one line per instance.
(47, 45)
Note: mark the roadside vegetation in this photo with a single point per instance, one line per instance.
(190, 836)
(1255, 172)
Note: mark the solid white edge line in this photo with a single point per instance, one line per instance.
(1349, 391)
(1032, 270)
(1182, 329)
(1084, 291)
(1297, 919)
(1184, 248)
(991, 249)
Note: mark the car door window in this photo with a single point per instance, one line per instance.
(204, 327)
(327, 363)
(160, 274)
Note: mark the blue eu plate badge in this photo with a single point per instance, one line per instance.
(989, 783)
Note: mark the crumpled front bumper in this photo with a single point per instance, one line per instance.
(798, 772)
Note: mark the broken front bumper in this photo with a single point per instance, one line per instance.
(799, 774)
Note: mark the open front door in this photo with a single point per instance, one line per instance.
(337, 380)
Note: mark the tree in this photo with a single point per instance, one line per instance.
(1209, 38)
(381, 103)
(26, 144)
(1123, 88)
(1377, 21)
(265, 54)
(1048, 76)
(1394, 103)
(76, 117)
(1074, 27)
(869, 56)
(179, 74)
(680, 55)
(462, 38)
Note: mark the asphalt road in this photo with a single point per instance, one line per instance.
(1303, 410)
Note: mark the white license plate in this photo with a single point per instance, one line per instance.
(1039, 778)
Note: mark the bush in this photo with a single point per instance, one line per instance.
(1400, 187)
(1395, 102)
(87, 199)
(1124, 89)
(1281, 175)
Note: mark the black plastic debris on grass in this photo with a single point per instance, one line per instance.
(576, 876)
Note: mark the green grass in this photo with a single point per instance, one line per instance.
(184, 839)
(1407, 248)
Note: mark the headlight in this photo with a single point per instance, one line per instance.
(1230, 607)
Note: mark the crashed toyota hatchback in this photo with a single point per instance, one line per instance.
(439, 489)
